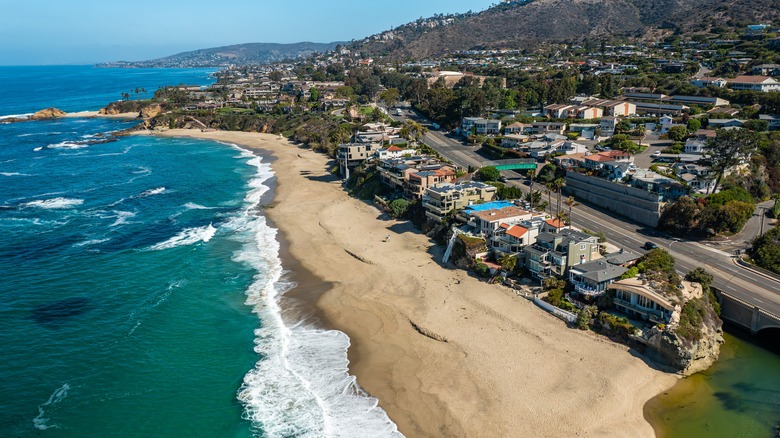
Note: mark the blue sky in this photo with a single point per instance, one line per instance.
(87, 31)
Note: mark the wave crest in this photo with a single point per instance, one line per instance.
(55, 203)
(187, 237)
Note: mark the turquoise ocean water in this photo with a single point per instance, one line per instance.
(140, 283)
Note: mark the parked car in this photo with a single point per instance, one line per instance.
(650, 246)
(657, 153)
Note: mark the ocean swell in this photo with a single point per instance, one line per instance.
(301, 385)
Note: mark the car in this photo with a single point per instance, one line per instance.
(657, 153)
(650, 246)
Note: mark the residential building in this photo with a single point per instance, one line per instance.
(512, 141)
(548, 127)
(773, 121)
(444, 198)
(487, 222)
(607, 125)
(518, 128)
(420, 180)
(754, 83)
(705, 81)
(512, 239)
(613, 108)
(636, 298)
(667, 188)
(725, 123)
(592, 279)
(555, 253)
(767, 70)
(351, 155)
(695, 146)
(394, 152)
(476, 125)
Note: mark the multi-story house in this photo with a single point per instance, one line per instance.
(754, 83)
(352, 155)
(444, 198)
(592, 279)
(555, 253)
(487, 222)
(428, 176)
(480, 126)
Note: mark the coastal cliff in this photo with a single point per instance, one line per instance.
(691, 342)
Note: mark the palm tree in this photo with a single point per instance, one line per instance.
(559, 184)
(571, 203)
(550, 189)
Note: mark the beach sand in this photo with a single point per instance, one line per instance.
(446, 354)
(90, 114)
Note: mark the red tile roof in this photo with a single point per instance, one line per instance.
(394, 149)
(555, 223)
(517, 231)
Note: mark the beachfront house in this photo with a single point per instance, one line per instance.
(555, 253)
(487, 222)
(441, 199)
(636, 298)
(352, 155)
(592, 279)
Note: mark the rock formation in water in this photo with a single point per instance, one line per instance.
(48, 113)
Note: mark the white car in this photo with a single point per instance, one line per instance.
(657, 153)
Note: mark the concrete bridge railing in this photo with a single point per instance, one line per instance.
(743, 314)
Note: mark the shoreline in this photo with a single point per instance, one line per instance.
(445, 354)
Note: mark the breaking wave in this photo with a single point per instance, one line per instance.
(301, 387)
(41, 422)
(187, 237)
(55, 203)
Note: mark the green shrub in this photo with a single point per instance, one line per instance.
(399, 207)
(482, 270)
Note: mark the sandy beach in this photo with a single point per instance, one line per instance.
(89, 114)
(446, 354)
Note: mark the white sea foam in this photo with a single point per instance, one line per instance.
(16, 116)
(41, 422)
(54, 203)
(67, 145)
(38, 149)
(91, 242)
(301, 387)
(121, 218)
(187, 237)
(14, 174)
(152, 192)
(194, 206)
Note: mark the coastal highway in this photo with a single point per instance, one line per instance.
(753, 288)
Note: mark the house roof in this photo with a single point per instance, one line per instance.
(752, 80)
(517, 231)
(598, 158)
(599, 271)
(622, 257)
(614, 154)
(555, 223)
(500, 214)
(394, 149)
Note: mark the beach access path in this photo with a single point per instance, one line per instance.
(446, 354)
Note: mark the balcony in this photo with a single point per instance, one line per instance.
(655, 316)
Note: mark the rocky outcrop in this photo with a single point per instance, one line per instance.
(149, 111)
(109, 111)
(48, 113)
(688, 352)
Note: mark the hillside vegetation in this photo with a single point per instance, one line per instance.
(540, 21)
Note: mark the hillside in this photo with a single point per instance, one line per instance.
(525, 25)
(240, 54)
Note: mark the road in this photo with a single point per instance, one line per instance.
(755, 289)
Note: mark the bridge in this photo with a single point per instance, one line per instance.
(743, 314)
(519, 164)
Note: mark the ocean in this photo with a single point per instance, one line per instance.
(141, 284)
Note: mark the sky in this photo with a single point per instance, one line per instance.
(48, 32)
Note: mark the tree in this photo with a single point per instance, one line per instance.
(558, 184)
(399, 207)
(276, 75)
(701, 276)
(727, 149)
(508, 262)
(571, 203)
(489, 173)
(389, 96)
(766, 250)
(693, 125)
(678, 133)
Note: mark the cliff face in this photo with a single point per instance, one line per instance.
(691, 342)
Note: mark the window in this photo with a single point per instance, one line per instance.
(582, 247)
